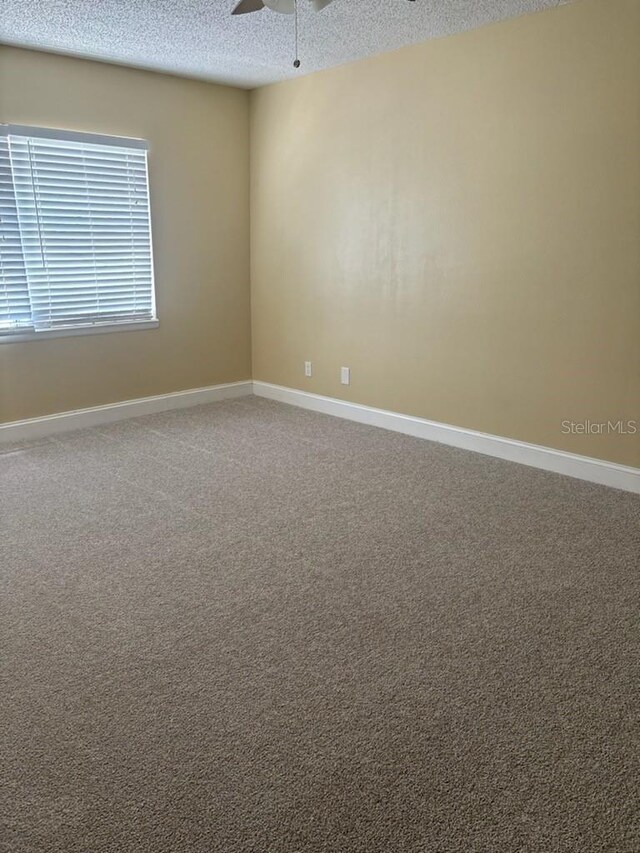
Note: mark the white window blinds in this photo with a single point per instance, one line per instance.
(75, 231)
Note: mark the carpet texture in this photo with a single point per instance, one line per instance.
(247, 628)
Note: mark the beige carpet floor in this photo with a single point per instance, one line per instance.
(248, 628)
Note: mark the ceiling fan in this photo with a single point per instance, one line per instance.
(288, 7)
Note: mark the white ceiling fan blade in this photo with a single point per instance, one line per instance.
(246, 6)
(287, 7)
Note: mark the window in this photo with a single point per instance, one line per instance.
(75, 233)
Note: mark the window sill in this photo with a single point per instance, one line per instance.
(73, 331)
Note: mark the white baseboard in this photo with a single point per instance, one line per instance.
(558, 461)
(81, 418)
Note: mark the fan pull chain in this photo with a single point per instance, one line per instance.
(296, 61)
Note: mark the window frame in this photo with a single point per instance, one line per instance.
(95, 327)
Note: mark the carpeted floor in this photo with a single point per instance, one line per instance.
(247, 628)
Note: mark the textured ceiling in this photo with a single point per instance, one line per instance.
(200, 38)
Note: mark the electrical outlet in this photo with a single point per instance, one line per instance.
(345, 375)
(308, 369)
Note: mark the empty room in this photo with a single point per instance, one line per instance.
(320, 426)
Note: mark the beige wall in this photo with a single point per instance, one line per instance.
(199, 173)
(459, 223)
